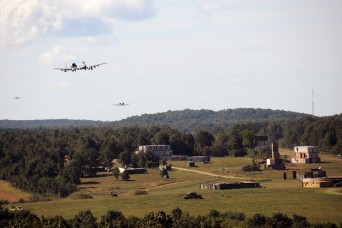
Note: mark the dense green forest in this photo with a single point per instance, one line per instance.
(186, 120)
(195, 120)
(34, 159)
(177, 218)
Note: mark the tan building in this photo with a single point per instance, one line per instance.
(317, 183)
(306, 154)
(163, 152)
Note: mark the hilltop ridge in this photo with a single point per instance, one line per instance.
(187, 119)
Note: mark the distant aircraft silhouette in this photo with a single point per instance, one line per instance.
(81, 66)
(121, 104)
(17, 98)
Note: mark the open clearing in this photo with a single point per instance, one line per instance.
(275, 195)
(8, 192)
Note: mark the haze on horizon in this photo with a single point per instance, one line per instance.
(168, 55)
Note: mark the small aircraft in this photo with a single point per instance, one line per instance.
(81, 66)
(16, 98)
(121, 104)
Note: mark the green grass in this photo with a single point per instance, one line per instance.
(275, 195)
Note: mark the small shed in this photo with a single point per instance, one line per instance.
(190, 164)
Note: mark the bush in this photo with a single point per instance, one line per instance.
(125, 176)
(2, 202)
(77, 195)
(139, 192)
(38, 198)
(279, 220)
(253, 167)
(258, 220)
(116, 173)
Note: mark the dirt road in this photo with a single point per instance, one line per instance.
(210, 174)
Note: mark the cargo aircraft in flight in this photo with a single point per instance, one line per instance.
(82, 66)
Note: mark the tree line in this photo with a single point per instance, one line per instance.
(157, 219)
(184, 120)
(52, 161)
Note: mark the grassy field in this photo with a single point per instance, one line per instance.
(275, 195)
(8, 192)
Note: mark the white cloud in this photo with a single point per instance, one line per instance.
(55, 55)
(25, 20)
(210, 6)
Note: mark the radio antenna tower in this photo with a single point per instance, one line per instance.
(313, 103)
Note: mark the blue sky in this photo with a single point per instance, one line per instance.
(168, 55)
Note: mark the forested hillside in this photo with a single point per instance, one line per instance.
(189, 120)
(34, 159)
(194, 120)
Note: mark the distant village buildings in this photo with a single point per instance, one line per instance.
(178, 157)
(306, 155)
(205, 159)
(317, 178)
(163, 152)
(322, 182)
(232, 185)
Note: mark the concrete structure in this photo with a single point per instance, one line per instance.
(316, 178)
(233, 185)
(275, 162)
(198, 158)
(190, 164)
(178, 157)
(163, 152)
(311, 174)
(306, 154)
(321, 182)
(131, 170)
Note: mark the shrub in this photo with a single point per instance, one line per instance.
(253, 167)
(39, 198)
(125, 176)
(258, 220)
(139, 192)
(80, 196)
(2, 202)
(116, 173)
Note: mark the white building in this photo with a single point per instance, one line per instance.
(163, 152)
(306, 154)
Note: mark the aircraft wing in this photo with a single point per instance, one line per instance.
(94, 66)
(121, 104)
(63, 69)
